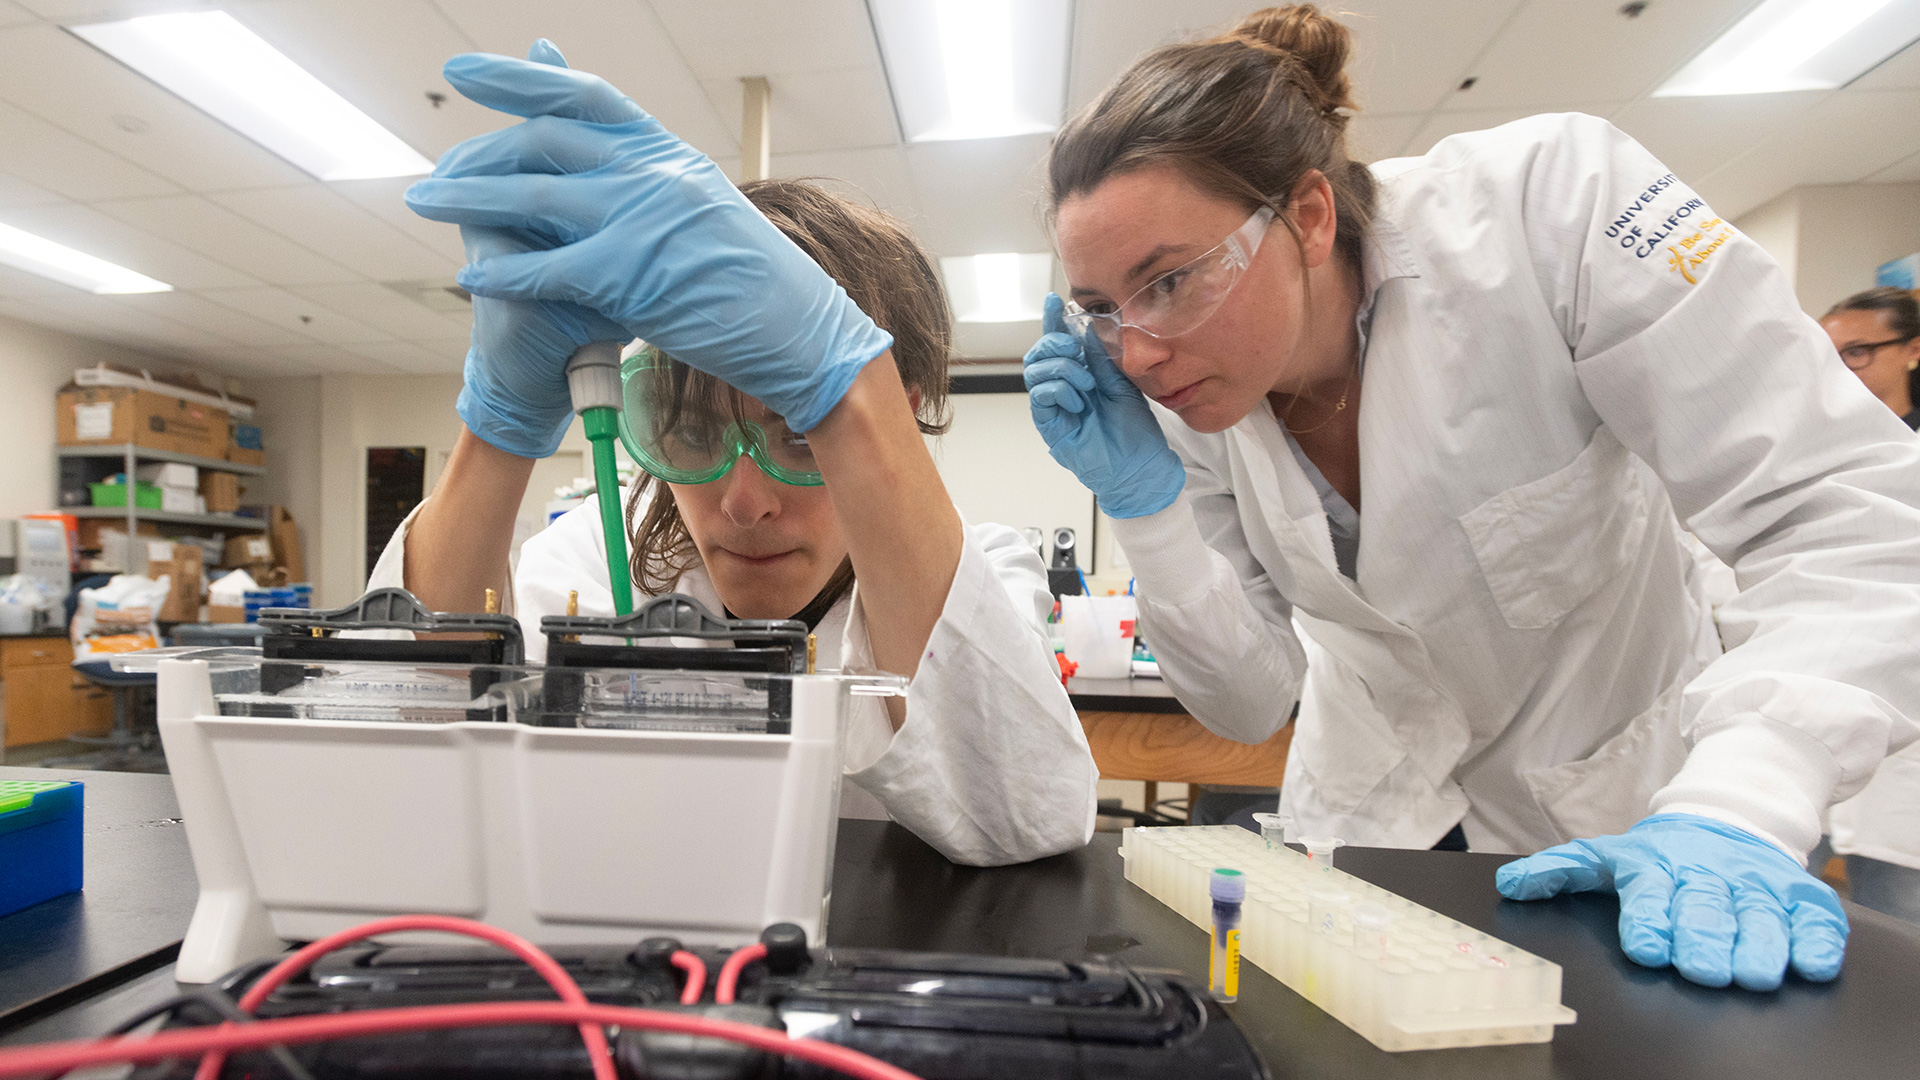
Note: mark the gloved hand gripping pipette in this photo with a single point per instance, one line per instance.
(593, 381)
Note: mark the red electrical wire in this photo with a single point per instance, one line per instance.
(549, 969)
(696, 976)
(730, 971)
(293, 1030)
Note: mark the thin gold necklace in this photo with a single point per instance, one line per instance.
(1338, 407)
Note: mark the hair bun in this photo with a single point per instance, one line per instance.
(1319, 43)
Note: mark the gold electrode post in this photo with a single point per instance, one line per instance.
(813, 644)
(493, 602)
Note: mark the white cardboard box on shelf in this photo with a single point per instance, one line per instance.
(170, 475)
(175, 500)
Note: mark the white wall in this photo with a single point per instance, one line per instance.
(289, 417)
(35, 362)
(1832, 238)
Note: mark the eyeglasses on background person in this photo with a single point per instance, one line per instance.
(1180, 300)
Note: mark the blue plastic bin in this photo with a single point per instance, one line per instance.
(39, 841)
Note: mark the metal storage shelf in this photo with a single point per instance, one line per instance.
(144, 453)
(224, 521)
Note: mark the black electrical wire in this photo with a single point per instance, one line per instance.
(221, 1006)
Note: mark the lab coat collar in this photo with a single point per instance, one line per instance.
(1385, 254)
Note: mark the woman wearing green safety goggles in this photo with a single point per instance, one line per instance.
(986, 761)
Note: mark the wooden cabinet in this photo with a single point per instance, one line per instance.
(45, 698)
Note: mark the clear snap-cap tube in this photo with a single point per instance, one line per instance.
(1372, 930)
(1320, 850)
(1273, 828)
(1228, 888)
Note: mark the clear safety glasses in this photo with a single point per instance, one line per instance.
(685, 434)
(1179, 300)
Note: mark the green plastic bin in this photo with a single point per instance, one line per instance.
(145, 496)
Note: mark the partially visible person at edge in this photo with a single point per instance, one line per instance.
(1536, 353)
(1877, 334)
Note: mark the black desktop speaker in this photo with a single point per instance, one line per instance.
(1063, 573)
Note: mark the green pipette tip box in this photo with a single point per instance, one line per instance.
(40, 841)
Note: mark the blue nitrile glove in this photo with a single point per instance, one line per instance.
(515, 396)
(1097, 423)
(1716, 902)
(648, 232)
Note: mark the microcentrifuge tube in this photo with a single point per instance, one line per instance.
(1320, 850)
(1273, 828)
(1372, 926)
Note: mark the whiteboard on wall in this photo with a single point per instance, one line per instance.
(996, 468)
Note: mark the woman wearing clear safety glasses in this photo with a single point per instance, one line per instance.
(1416, 445)
(787, 475)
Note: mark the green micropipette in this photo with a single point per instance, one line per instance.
(593, 379)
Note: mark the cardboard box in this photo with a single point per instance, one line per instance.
(112, 415)
(221, 613)
(175, 500)
(248, 552)
(181, 563)
(285, 538)
(87, 531)
(221, 490)
(243, 444)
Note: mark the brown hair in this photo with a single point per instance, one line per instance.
(1246, 116)
(875, 259)
(1901, 310)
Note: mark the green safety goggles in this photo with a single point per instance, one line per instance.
(688, 434)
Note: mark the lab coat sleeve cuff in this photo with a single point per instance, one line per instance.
(1766, 777)
(991, 766)
(1170, 559)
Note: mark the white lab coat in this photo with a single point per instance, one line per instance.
(1565, 350)
(991, 765)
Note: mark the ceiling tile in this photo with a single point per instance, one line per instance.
(308, 320)
(379, 307)
(1586, 50)
(414, 359)
(877, 176)
(624, 44)
(43, 154)
(738, 38)
(66, 81)
(75, 11)
(988, 194)
(1442, 124)
(383, 199)
(227, 237)
(1904, 171)
(322, 221)
(1408, 55)
(12, 14)
(1108, 35)
(1847, 137)
(384, 56)
(103, 314)
(17, 192)
(93, 232)
(1901, 71)
(1372, 137)
(20, 285)
(819, 110)
(331, 359)
(1695, 136)
(192, 309)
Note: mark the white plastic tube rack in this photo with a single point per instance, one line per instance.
(1431, 983)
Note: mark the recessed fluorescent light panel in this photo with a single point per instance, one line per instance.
(214, 62)
(38, 255)
(1799, 45)
(974, 69)
(1005, 287)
